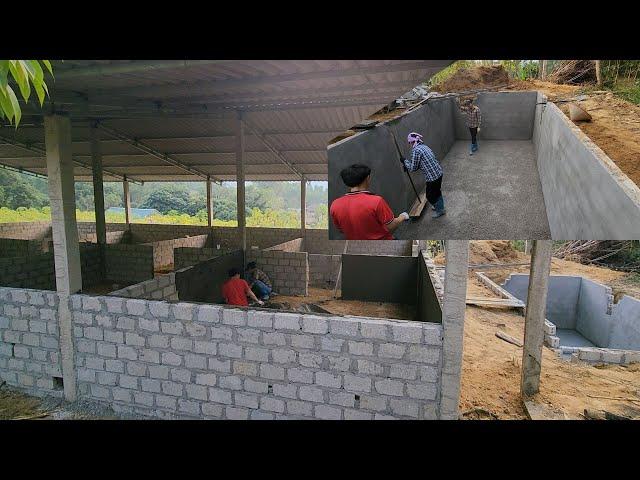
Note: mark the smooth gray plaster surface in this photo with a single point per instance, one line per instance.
(495, 193)
(572, 338)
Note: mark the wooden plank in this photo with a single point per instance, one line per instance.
(418, 206)
(508, 338)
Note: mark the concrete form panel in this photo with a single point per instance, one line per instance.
(379, 278)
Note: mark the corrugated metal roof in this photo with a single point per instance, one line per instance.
(187, 110)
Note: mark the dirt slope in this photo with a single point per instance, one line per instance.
(491, 367)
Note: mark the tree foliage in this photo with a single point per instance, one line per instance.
(21, 75)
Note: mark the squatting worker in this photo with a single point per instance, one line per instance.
(259, 282)
(473, 118)
(423, 158)
(235, 290)
(361, 215)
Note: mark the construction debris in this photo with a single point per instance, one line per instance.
(573, 72)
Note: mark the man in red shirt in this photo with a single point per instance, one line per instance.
(361, 215)
(235, 290)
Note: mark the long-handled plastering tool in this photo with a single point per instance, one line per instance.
(400, 158)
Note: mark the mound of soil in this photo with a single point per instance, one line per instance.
(489, 251)
(474, 78)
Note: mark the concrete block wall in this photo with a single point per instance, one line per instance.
(163, 249)
(119, 236)
(25, 230)
(162, 287)
(294, 245)
(288, 271)
(586, 194)
(29, 348)
(206, 361)
(91, 264)
(187, 256)
(146, 233)
(128, 263)
(14, 247)
(323, 270)
(35, 271)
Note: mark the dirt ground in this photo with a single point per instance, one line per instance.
(491, 367)
(324, 298)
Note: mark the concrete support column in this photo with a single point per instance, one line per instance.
(242, 230)
(534, 317)
(303, 205)
(209, 205)
(98, 185)
(127, 202)
(527, 246)
(453, 310)
(65, 236)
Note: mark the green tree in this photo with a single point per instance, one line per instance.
(24, 74)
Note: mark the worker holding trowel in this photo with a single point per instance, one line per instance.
(423, 158)
(473, 117)
(361, 215)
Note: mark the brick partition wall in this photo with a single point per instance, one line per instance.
(294, 245)
(187, 256)
(14, 247)
(90, 264)
(288, 271)
(35, 271)
(25, 230)
(128, 263)
(163, 287)
(29, 349)
(323, 270)
(163, 250)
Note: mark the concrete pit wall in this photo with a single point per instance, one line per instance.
(203, 282)
(505, 116)
(586, 194)
(210, 362)
(375, 148)
(579, 304)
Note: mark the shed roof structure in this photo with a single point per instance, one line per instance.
(177, 120)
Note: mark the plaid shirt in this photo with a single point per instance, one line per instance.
(424, 159)
(260, 275)
(473, 116)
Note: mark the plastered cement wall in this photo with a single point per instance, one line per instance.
(429, 307)
(203, 282)
(295, 245)
(376, 149)
(380, 278)
(626, 334)
(562, 297)
(586, 194)
(323, 270)
(162, 287)
(29, 348)
(505, 116)
(188, 256)
(586, 306)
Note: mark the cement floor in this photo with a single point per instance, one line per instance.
(494, 194)
(571, 338)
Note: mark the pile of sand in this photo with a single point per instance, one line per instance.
(489, 251)
(474, 78)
